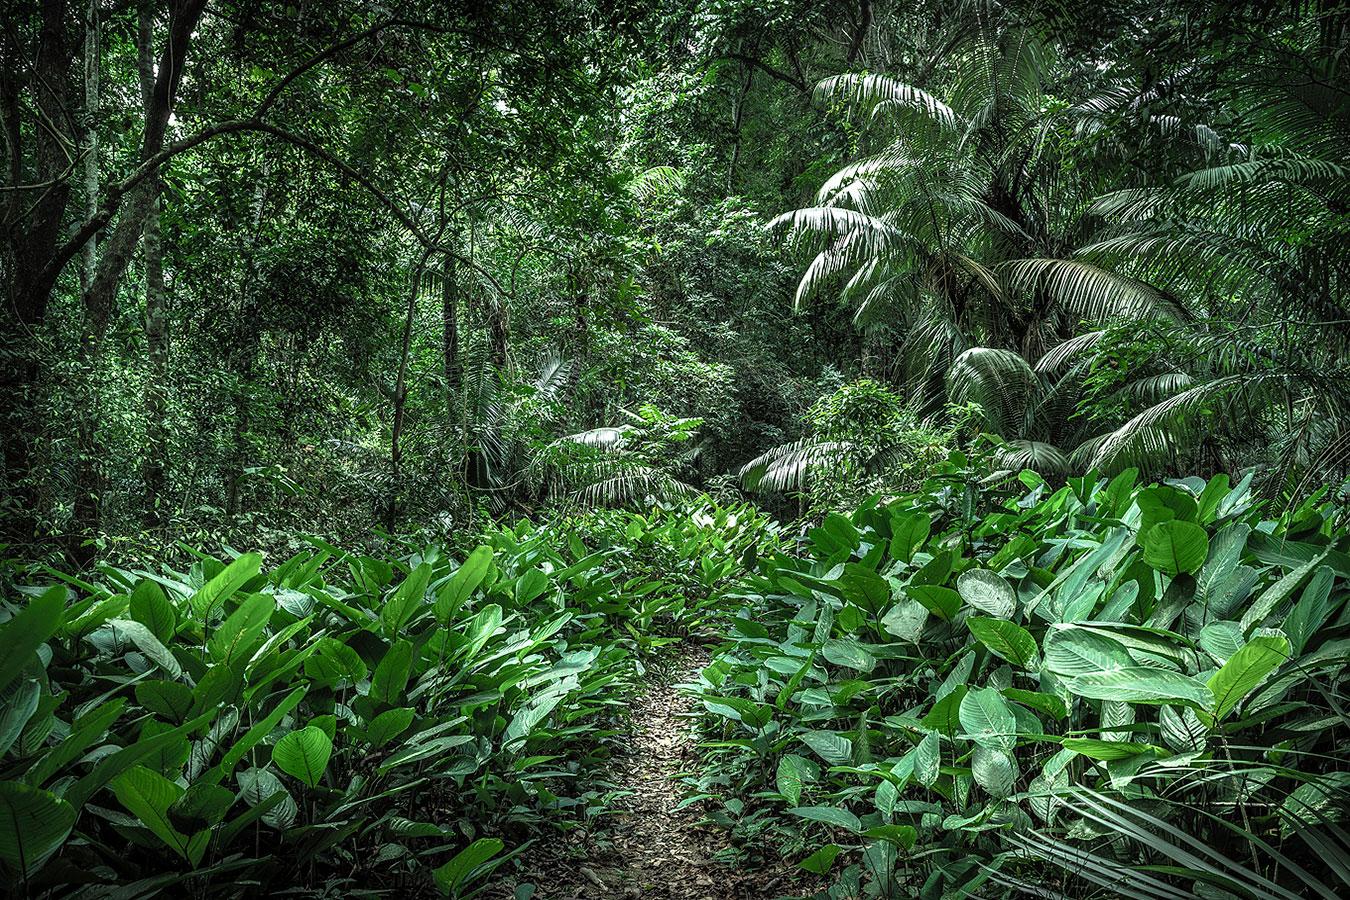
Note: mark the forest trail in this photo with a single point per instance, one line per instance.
(651, 847)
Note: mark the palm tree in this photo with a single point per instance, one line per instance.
(1257, 239)
(958, 231)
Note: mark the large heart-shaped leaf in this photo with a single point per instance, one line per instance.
(1176, 547)
(304, 754)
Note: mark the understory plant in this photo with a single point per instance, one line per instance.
(992, 685)
(335, 722)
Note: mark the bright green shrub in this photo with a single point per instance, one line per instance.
(969, 685)
(336, 721)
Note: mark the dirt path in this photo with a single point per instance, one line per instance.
(650, 848)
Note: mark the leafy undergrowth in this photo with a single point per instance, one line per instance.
(991, 688)
(336, 723)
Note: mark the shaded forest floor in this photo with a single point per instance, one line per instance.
(650, 847)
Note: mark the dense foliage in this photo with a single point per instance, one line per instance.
(1108, 678)
(395, 397)
(329, 720)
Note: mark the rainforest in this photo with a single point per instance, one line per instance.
(675, 449)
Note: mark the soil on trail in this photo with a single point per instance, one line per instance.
(650, 847)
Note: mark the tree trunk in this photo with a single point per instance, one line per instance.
(88, 502)
(392, 506)
(37, 215)
(98, 300)
(91, 113)
(156, 321)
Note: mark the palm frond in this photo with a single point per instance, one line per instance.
(1001, 382)
(788, 466)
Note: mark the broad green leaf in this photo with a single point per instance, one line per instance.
(33, 825)
(1163, 503)
(1273, 596)
(219, 589)
(942, 602)
(18, 702)
(1311, 610)
(238, 636)
(418, 748)
(908, 532)
(389, 725)
(829, 815)
(944, 717)
(927, 756)
(170, 700)
(147, 643)
(526, 719)
(905, 620)
(1005, 639)
(864, 587)
(820, 862)
(406, 600)
(987, 591)
(148, 747)
(85, 731)
(262, 787)
(793, 772)
(262, 729)
(152, 609)
(304, 754)
(995, 771)
(849, 653)
(1041, 702)
(530, 585)
(1076, 651)
(391, 675)
(462, 583)
(1176, 547)
(1098, 749)
(1246, 671)
(456, 873)
(1141, 684)
(830, 746)
(480, 630)
(988, 720)
(29, 629)
(902, 836)
(148, 796)
(202, 806)
(1221, 640)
